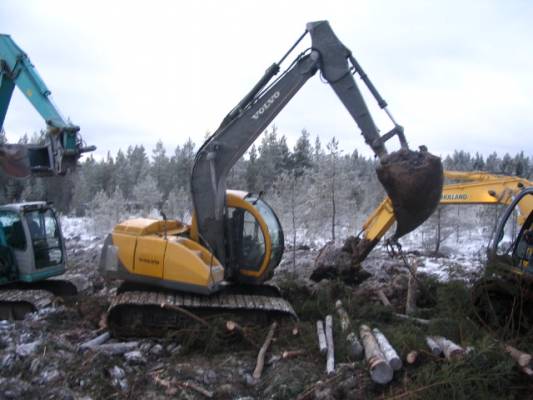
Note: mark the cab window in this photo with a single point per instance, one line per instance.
(13, 230)
(45, 237)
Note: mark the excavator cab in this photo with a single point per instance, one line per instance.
(33, 240)
(255, 238)
(513, 244)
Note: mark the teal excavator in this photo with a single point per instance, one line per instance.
(32, 247)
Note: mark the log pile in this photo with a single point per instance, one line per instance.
(380, 370)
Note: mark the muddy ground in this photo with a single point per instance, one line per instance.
(40, 356)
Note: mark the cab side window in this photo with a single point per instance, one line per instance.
(13, 230)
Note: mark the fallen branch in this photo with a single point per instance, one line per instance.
(104, 337)
(380, 370)
(330, 361)
(388, 351)
(182, 310)
(309, 393)
(262, 352)
(197, 388)
(322, 345)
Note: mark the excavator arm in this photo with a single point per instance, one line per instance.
(257, 109)
(63, 144)
(477, 188)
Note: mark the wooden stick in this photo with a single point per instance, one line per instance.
(232, 326)
(523, 359)
(412, 289)
(380, 370)
(104, 337)
(451, 350)
(388, 351)
(262, 352)
(322, 345)
(330, 361)
(197, 388)
(411, 357)
(383, 298)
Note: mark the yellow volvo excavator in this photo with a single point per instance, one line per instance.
(235, 240)
(477, 188)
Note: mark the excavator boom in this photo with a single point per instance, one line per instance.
(404, 174)
(63, 144)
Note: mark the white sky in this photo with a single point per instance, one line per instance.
(456, 74)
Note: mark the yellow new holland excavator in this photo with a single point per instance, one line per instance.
(477, 188)
(235, 240)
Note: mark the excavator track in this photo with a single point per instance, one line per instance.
(15, 304)
(20, 298)
(153, 312)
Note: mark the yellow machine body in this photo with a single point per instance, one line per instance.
(478, 188)
(168, 253)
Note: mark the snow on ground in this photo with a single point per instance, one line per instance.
(79, 228)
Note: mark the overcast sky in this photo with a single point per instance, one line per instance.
(456, 74)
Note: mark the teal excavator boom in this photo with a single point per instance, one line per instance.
(63, 145)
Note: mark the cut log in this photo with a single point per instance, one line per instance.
(380, 370)
(343, 316)
(330, 361)
(451, 350)
(232, 326)
(322, 345)
(433, 346)
(292, 354)
(388, 351)
(383, 298)
(355, 348)
(411, 357)
(116, 348)
(262, 352)
(413, 319)
(104, 337)
(523, 359)
(412, 290)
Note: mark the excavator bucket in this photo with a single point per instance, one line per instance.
(413, 180)
(14, 160)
